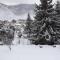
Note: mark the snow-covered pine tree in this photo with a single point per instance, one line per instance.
(58, 7)
(27, 29)
(43, 26)
(56, 19)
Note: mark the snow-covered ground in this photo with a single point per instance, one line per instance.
(29, 52)
(25, 51)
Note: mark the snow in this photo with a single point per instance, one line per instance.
(15, 38)
(29, 52)
(22, 40)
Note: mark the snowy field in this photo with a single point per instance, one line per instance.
(29, 52)
(25, 51)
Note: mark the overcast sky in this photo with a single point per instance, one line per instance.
(13, 2)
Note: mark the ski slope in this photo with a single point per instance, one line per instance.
(29, 52)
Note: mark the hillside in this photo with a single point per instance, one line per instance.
(19, 11)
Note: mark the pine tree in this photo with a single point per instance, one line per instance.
(58, 7)
(57, 20)
(43, 26)
(28, 26)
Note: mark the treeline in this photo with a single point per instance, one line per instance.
(6, 32)
(45, 28)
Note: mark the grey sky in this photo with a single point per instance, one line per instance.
(12, 2)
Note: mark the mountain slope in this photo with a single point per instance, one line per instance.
(19, 11)
(5, 13)
(22, 9)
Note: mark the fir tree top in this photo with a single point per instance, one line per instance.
(45, 9)
(28, 18)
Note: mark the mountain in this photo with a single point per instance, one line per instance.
(5, 13)
(20, 11)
